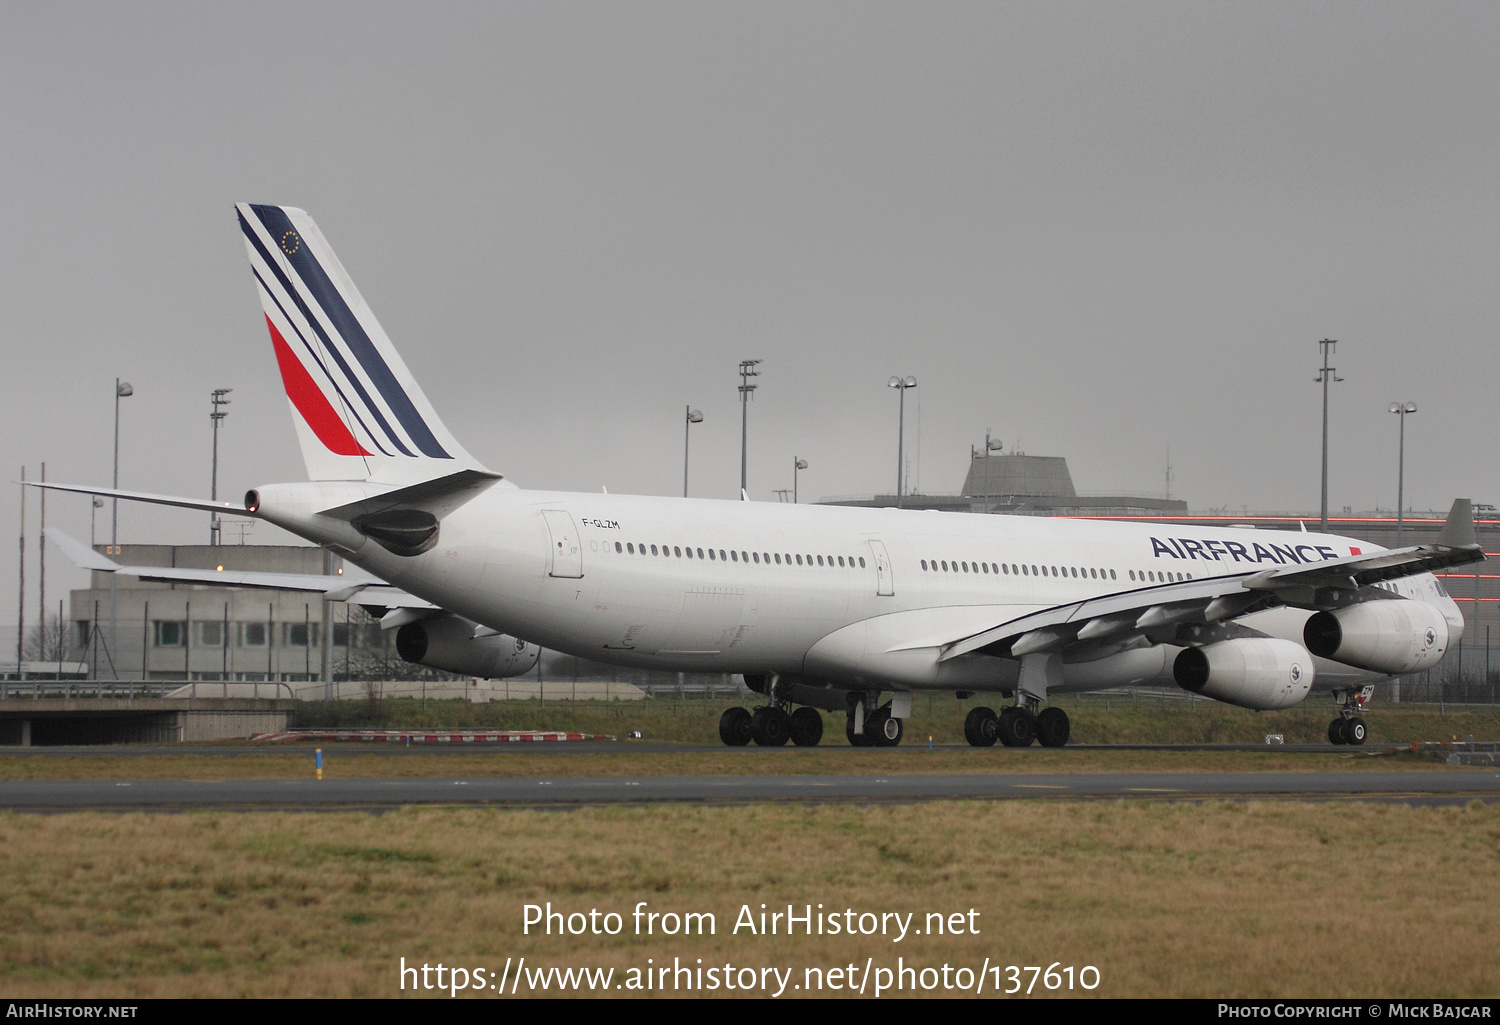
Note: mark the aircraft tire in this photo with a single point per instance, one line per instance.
(806, 727)
(770, 727)
(734, 727)
(1052, 727)
(1017, 727)
(887, 729)
(1354, 731)
(1336, 733)
(981, 727)
(865, 739)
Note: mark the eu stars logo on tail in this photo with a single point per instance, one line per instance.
(360, 414)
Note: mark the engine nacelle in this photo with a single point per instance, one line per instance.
(447, 642)
(1392, 636)
(1263, 673)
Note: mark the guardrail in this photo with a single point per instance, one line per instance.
(130, 689)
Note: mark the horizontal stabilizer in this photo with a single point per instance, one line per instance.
(438, 497)
(363, 590)
(405, 521)
(222, 508)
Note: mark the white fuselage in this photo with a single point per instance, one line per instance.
(849, 596)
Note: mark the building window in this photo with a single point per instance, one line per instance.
(209, 633)
(253, 635)
(168, 633)
(299, 635)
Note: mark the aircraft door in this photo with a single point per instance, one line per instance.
(567, 550)
(883, 583)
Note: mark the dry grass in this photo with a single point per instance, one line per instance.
(1268, 899)
(357, 761)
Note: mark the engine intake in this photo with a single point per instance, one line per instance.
(447, 642)
(1263, 673)
(1392, 636)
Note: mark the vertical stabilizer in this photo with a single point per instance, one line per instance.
(359, 412)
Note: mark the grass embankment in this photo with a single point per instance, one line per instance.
(1213, 900)
(1096, 720)
(695, 721)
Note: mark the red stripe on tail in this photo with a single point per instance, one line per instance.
(311, 402)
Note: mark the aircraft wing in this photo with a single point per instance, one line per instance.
(1163, 607)
(360, 589)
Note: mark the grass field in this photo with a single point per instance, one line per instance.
(1096, 720)
(696, 721)
(1211, 900)
(1247, 899)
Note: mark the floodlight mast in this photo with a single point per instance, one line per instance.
(747, 371)
(1325, 376)
(217, 399)
(1401, 408)
(694, 416)
(901, 384)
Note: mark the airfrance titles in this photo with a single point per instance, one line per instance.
(1209, 550)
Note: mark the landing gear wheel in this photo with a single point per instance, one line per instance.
(1336, 734)
(1017, 727)
(865, 739)
(981, 727)
(806, 727)
(770, 727)
(886, 728)
(1052, 727)
(1354, 731)
(734, 727)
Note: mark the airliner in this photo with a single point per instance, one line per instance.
(817, 607)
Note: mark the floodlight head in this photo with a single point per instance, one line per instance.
(894, 382)
(1395, 407)
(996, 445)
(1411, 407)
(695, 416)
(802, 464)
(123, 390)
(910, 382)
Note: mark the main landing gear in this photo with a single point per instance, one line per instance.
(775, 723)
(770, 726)
(881, 728)
(1017, 726)
(1349, 728)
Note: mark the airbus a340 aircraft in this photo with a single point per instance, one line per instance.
(817, 607)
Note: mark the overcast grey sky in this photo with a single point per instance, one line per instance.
(1099, 229)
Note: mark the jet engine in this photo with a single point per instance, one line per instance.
(447, 642)
(1253, 672)
(1394, 636)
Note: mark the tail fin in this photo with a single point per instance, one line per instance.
(358, 410)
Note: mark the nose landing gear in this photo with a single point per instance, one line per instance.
(1349, 728)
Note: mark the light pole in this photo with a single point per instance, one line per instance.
(1401, 409)
(94, 508)
(747, 371)
(797, 464)
(694, 416)
(215, 414)
(1325, 376)
(901, 384)
(122, 391)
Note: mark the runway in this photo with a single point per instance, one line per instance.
(564, 792)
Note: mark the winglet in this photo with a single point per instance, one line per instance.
(81, 554)
(1458, 532)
